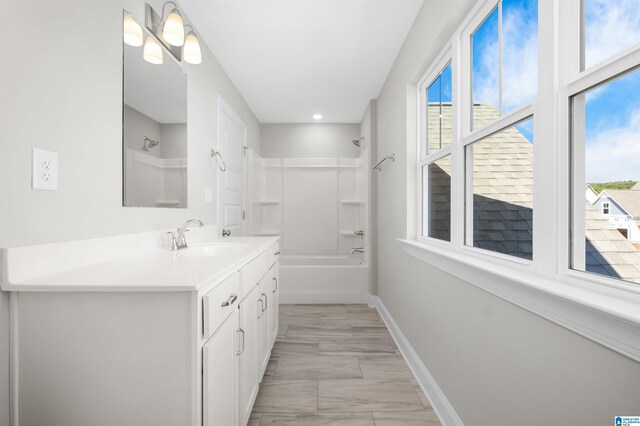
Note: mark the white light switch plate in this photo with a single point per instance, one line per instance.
(44, 169)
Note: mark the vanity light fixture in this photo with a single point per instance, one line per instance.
(191, 52)
(317, 116)
(170, 32)
(152, 52)
(132, 31)
(173, 28)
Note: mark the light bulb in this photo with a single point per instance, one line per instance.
(152, 52)
(132, 32)
(317, 116)
(191, 51)
(173, 30)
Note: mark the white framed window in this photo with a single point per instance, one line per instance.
(502, 43)
(520, 226)
(604, 129)
(436, 136)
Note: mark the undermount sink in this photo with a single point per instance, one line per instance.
(210, 250)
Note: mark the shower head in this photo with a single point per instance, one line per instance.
(357, 142)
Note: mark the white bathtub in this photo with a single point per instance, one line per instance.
(323, 279)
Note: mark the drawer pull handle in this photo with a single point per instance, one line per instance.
(242, 351)
(230, 301)
(261, 308)
(265, 305)
(276, 280)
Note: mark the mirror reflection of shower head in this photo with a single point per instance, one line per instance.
(152, 144)
(357, 142)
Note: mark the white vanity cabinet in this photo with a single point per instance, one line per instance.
(274, 273)
(257, 303)
(220, 378)
(248, 381)
(264, 333)
(183, 342)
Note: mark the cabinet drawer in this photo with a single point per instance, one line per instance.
(275, 253)
(219, 303)
(253, 272)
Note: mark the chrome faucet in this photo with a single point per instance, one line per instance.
(359, 250)
(177, 239)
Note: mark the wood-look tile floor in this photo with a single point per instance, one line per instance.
(338, 365)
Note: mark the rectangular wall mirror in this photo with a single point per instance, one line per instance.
(154, 127)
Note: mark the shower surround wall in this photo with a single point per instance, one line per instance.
(316, 205)
(158, 176)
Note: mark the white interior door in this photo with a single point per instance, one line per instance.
(232, 139)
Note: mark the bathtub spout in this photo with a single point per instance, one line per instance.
(359, 250)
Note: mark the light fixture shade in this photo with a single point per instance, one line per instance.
(132, 32)
(317, 116)
(152, 52)
(191, 52)
(173, 30)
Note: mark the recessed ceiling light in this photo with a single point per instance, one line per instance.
(317, 116)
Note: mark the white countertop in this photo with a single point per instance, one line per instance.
(67, 267)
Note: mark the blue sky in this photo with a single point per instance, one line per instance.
(520, 59)
(612, 110)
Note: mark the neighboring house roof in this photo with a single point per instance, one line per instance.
(636, 187)
(627, 199)
(503, 198)
(608, 252)
(591, 194)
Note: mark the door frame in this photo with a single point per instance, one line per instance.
(224, 107)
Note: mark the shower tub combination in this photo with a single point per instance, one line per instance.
(318, 206)
(323, 279)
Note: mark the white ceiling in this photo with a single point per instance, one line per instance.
(291, 59)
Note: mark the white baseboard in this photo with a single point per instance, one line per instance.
(439, 402)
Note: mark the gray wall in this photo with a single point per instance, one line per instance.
(496, 363)
(61, 88)
(309, 140)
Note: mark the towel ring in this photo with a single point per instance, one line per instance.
(216, 154)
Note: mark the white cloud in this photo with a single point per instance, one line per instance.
(485, 83)
(520, 63)
(611, 26)
(520, 59)
(614, 153)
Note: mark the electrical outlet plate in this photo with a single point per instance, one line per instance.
(44, 169)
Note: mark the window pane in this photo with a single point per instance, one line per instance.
(485, 70)
(519, 53)
(502, 182)
(606, 138)
(437, 199)
(504, 58)
(610, 27)
(439, 112)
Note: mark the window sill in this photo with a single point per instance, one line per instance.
(606, 314)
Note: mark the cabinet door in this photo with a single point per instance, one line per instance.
(220, 375)
(249, 311)
(264, 333)
(275, 301)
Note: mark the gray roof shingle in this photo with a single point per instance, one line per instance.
(503, 198)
